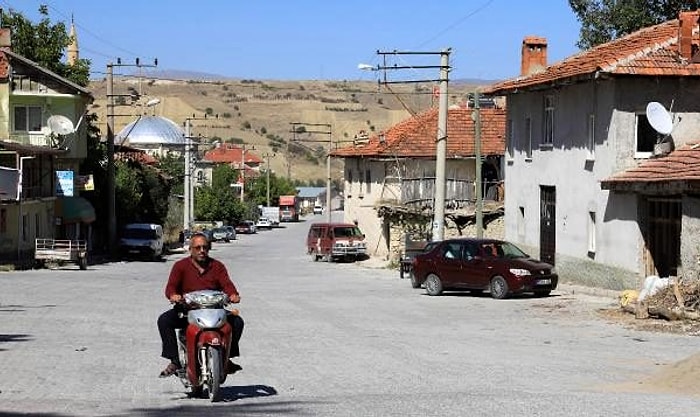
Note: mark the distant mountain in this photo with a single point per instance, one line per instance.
(185, 75)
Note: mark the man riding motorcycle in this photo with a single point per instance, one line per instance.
(196, 272)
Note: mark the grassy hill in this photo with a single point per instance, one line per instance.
(259, 113)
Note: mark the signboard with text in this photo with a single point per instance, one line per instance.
(64, 183)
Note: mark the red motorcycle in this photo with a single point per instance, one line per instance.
(205, 343)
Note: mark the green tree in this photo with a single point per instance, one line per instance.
(256, 189)
(605, 20)
(45, 44)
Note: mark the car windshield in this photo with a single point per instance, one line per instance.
(503, 250)
(140, 234)
(219, 230)
(348, 231)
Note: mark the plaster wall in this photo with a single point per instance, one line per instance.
(575, 170)
(690, 230)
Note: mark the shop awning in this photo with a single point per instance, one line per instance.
(74, 210)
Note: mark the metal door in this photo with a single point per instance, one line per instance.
(548, 231)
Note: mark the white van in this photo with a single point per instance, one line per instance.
(142, 240)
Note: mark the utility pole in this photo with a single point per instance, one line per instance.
(327, 131)
(438, 227)
(441, 152)
(476, 115)
(111, 181)
(188, 183)
(111, 184)
(188, 176)
(267, 156)
(243, 151)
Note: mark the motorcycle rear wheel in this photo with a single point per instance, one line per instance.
(214, 378)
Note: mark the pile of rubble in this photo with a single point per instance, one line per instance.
(667, 298)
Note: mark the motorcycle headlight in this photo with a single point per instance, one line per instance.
(520, 272)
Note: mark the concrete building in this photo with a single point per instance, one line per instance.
(584, 187)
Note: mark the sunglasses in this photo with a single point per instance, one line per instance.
(201, 247)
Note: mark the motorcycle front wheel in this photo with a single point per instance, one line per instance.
(214, 377)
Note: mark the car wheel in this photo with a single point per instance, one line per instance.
(433, 285)
(314, 256)
(414, 280)
(499, 287)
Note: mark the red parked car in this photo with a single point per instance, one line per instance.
(481, 265)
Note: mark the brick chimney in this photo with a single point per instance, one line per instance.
(687, 44)
(5, 38)
(534, 55)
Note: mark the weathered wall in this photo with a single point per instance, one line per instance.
(690, 244)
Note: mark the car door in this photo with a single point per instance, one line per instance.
(476, 264)
(450, 264)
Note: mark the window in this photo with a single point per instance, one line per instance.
(348, 177)
(590, 143)
(548, 128)
(528, 138)
(591, 232)
(27, 118)
(521, 222)
(3, 221)
(37, 224)
(368, 180)
(509, 138)
(25, 228)
(451, 251)
(645, 137)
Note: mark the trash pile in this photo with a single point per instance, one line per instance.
(668, 298)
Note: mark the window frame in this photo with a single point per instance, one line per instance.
(638, 117)
(29, 117)
(528, 138)
(590, 138)
(548, 121)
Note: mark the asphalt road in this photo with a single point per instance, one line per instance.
(324, 340)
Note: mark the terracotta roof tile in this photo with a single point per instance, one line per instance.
(651, 51)
(416, 137)
(228, 153)
(683, 164)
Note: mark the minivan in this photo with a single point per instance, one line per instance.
(142, 240)
(335, 241)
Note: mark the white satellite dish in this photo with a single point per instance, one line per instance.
(60, 125)
(659, 118)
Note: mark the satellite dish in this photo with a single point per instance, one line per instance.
(60, 125)
(659, 118)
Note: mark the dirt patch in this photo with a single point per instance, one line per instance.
(677, 378)
(628, 320)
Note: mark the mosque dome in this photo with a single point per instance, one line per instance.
(151, 130)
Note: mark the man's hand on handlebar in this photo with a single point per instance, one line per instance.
(175, 298)
(234, 298)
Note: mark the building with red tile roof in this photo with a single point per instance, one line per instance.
(590, 183)
(396, 168)
(230, 154)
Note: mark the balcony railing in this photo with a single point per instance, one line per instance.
(34, 139)
(421, 191)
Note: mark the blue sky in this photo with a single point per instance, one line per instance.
(312, 39)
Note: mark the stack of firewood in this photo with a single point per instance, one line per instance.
(677, 301)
